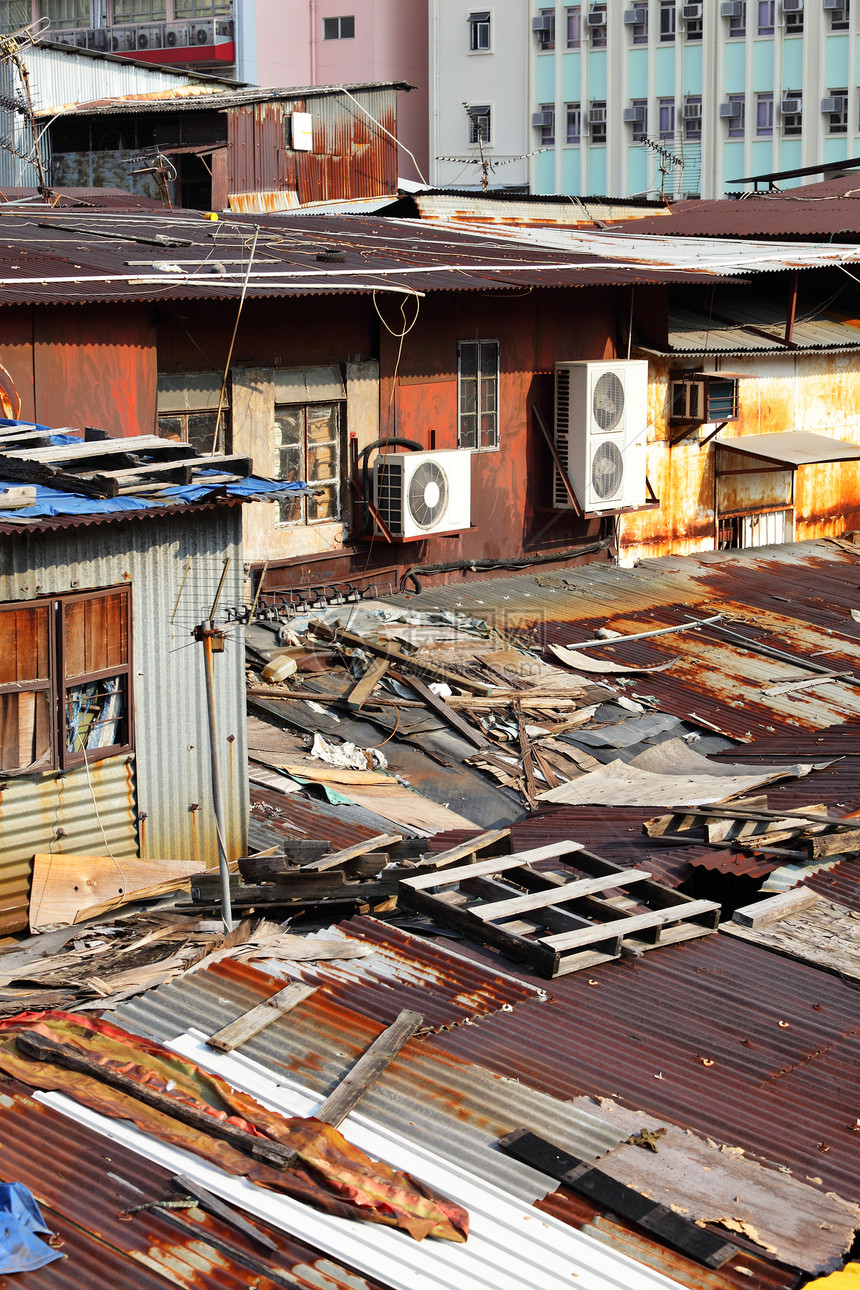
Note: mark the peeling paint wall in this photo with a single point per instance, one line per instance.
(819, 393)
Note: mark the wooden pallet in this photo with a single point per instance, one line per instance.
(555, 924)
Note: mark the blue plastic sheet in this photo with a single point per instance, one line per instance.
(21, 1225)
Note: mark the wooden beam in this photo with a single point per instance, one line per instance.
(29, 472)
(500, 864)
(467, 848)
(336, 858)
(338, 636)
(625, 925)
(367, 1070)
(764, 912)
(447, 714)
(256, 1019)
(792, 310)
(363, 688)
(557, 895)
(223, 1211)
(531, 786)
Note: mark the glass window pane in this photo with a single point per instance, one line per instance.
(96, 715)
(468, 431)
(322, 424)
(24, 652)
(171, 428)
(323, 506)
(25, 731)
(291, 510)
(200, 430)
(289, 424)
(322, 462)
(468, 358)
(95, 634)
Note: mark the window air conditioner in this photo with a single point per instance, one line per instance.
(203, 33)
(692, 111)
(792, 6)
(634, 115)
(732, 9)
(422, 493)
(597, 116)
(692, 12)
(632, 17)
(543, 25)
(596, 18)
(838, 103)
(600, 428)
(834, 4)
(730, 111)
(541, 119)
(791, 107)
(176, 35)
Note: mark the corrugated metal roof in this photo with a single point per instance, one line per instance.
(829, 209)
(783, 1039)
(792, 447)
(215, 97)
(759, 327)
(293, 816)
(85, 1184)
(840, 884)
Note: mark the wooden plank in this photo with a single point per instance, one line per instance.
(470, 847)
(27, 472)
(42, 1048)
(408, 663)
(101, 448)
(766, 830)
(225, 1212)
(683, 822)
(448, 715)
(833, 844)
(322, 772)
(526, 754)
(763, 912)
(805, 683)
(364, 687)
(367, 1070)
(66, 888)
(256, 1019)
(500, 864)
(543, 958)
(557, 895)
(626, 926)
(378, 843)
(681, 1233)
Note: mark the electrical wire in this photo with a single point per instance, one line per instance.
(217, 434)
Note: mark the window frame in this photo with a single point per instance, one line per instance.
(339, 516)
(81, 9)
(640, 128)
(478, 378)
(598, 41)
(691, 401)
(666, 106)
(764, 100)
(840, 19)
(573, 118)
(573, 26)
(59, 683)
(693, 124)
(668, 22)
(765, 9)
(546, 39)
(738, 24)
(547, 132)
(640, 29)
(792, 123)
(597, 130)
(837, 122)
(477, 22)
(737, 125)
(477, 112)
(340, 20)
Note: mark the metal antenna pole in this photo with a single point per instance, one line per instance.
(213, 641)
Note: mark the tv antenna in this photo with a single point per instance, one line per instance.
(668, 160)
(11, 47)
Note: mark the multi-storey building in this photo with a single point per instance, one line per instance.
(641, 96)
(261, 42)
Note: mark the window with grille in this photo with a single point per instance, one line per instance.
(693, 116)
(479, 123)
(478, 393)
(338, 28)
(65, 681)
(598, 27)
(308, 449)
(63, 14)
(597, 120)
(574, 122)
(479, 32)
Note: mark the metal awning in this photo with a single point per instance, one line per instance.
(792, 448)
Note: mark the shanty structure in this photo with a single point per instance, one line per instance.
(111, 553)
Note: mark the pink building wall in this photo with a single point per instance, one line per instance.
(281, 43)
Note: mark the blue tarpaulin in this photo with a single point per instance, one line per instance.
(21, 1224)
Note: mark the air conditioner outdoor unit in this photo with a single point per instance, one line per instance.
(837, 103)
(634, 16)
(540, 119)
(732, 9)
(791, 107)
(223, 30)
(97, 38)
(596, 18)
(600, 428)
(176, 35)
(123, 39)
(596, 116)
(692, 12)
(150, 38)
(692, 111)
(634, 114)
(80, 38)
(203, 33)
(730, 110)
(421, 493)
(792, 6)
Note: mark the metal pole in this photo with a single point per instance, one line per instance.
(205, 635)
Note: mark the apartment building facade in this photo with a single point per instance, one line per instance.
(628, 97)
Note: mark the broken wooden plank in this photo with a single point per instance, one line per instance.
(805, 683)
(409, 663)
(445, 877)
(681, 1233)
(627, 925)
(27, 472)
(367, 1070)
(336, 858)
(42, 1048)
(448, 715)
(256, 1019)
(783, 905)
(470, 847)
(557, 895)
(526, 754)
(66, 888)
(684, 821)
(833, 844)
(222, 1210)
(363, 688)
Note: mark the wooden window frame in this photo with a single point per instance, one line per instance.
(58, 684)
(477, 379)
(340, 441)
(696, 387)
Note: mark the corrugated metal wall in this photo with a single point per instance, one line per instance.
(170, 775)
(352, 156)
(16, 134)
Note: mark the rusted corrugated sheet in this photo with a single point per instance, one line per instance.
(796, 213)
(745, 1270)
(85, 1184)
(841, 884)
(296, 817)
(783, 1040)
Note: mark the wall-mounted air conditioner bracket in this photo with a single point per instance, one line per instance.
(562, 469)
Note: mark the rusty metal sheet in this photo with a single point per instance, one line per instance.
(85, 1183)
(840, 884)
(782, 1038)
(295, 817)
(806, 212)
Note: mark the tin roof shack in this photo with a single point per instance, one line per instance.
(106, 565)
(211, 147)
